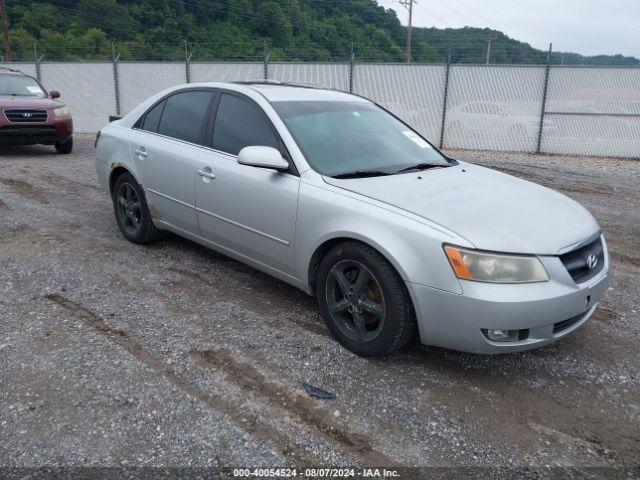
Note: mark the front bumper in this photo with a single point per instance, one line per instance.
(548, 310)
(29, 134)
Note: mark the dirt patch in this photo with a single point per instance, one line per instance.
(67, 183)
(303, 408)
(565, 410)
(316, 327)
(15, 230)
(245, 420)
(604, 314)
(24, 189)
(624, 252)
(3, 206)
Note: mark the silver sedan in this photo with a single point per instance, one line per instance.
(333, 194)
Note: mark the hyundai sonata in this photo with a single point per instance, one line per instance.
(333, 194)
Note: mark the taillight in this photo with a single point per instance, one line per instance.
(97, 138)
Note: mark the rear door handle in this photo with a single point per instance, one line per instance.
(141, 151)
(206, 174)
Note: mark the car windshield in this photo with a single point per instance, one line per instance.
(355, 138)
(19, 85)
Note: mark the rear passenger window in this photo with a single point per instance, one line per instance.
(152, 119)
(184, 115)
(239, 124)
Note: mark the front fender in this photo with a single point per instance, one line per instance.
(413, 248)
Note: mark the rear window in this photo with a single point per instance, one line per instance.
(184, 115)
(152, 118)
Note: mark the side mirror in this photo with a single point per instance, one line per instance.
(266, 157)
(54, 94)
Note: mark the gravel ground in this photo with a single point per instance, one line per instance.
(113, 354)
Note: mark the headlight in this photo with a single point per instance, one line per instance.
(495, 268)
(62, 111)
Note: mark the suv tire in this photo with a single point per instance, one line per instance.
(65, 147)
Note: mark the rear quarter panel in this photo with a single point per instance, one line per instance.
(112, 151)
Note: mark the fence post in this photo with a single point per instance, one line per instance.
(446, 97)
(544, 98)
(187, 63)
(352, 61)
(36, 60)
(116, 82)
(266, 60)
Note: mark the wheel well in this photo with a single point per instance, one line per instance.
(113, 176)
(322, 250)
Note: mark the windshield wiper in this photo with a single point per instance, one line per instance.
(362, 173)
(421, 166)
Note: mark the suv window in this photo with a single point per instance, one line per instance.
(239, 124)
(152, 118)
(184, 114)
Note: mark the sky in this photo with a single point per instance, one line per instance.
(589, 27)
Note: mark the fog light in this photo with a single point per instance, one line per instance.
(499, 335)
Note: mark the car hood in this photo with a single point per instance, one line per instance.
(492, 210)
(16, 101)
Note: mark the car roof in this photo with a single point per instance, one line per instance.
(10, 71)
(283, 92)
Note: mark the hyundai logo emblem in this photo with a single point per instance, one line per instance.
(27, 114)
(592, 261)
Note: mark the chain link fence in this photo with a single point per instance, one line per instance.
(591, 111)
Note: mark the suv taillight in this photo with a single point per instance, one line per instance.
(97, 138)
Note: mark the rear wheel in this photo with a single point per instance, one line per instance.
(131, 211)
(64, 146)
(364, 301)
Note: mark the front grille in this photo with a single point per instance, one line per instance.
(577, 261)
(568, 323)
(24, 115)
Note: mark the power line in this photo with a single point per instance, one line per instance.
(478, 15)
(430, 12)
(455, 11)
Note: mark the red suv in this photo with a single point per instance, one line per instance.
(30, 115)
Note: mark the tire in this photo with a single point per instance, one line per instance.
(371, 320)
(131, 211)
(64, 147)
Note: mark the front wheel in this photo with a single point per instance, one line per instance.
(64, 147)
(131, 211)
(364, 301)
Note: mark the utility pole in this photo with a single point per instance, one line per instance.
(5, 33)
(408, 4)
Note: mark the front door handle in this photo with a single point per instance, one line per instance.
(141, 151)
(207, 173)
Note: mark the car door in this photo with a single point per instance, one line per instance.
(249, 210)
(165, 148)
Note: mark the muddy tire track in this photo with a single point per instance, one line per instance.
(67, 183)
(24, 189)
(301, 407)
(241, 417)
